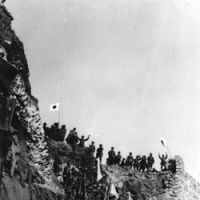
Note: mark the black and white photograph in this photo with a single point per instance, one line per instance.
(99, 100)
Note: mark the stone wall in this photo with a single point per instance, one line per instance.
(181, 185)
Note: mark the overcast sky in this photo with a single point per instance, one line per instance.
(125, 71)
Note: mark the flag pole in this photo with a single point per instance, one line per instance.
(59, 116)
(168, 151)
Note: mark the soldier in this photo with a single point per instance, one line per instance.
(143, 164)
(83, 193)
(111, 156)
(68, 182)
(123, 162)
(82, 140)
(163, 163)
(54, 131)
(92, 148)
(47, 130)
(129, 160)
(55, 127)
(56, 164)
(71, 132)
(150, 162)
(136, 164)
(99, 153)
(66, 173)
(62, 133)
(72, 138)
(45, 127)
(118, 158)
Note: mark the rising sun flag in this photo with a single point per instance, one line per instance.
(54, 107)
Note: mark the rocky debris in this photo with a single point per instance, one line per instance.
(155, 185)
(12, 190)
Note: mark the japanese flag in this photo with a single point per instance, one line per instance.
(54, 107)
(163, 141)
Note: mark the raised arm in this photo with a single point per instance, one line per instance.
(86, 139)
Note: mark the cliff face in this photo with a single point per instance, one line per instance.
(13, 46)
(24, 167)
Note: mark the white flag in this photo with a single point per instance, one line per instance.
(113, 191)
(99, 174)
(54, 107)
(163, 141)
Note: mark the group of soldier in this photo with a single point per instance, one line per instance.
(75, 141)
(75, 178)
(139, 163)
(73, 182)
(54, 132)
(78, 187)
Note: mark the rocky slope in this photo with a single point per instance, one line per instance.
(130, 184)
(156, 185)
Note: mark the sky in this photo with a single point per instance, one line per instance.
(126, 72)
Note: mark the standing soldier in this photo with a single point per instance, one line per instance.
(62, 133)
(82, 140)
(163, 163)
(92, 148)
(70, 136)
(111, 156)
(72, 139)
(136, 164)
(99, 153)
(129, 160)
(123, 162)
(118, 158)
(150, 162)
(143, 164)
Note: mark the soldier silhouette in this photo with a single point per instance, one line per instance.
(163, 163)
